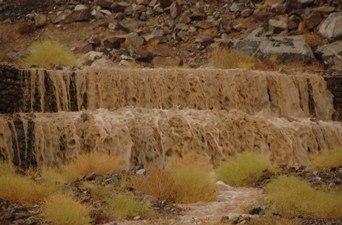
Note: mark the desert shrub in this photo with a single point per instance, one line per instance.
(23, 190)
(157, 182)
(52, 175)
(327, 159)
(6, 168)
(243, 169)
(93, 162)
(192, 185)
(271, 221)
(99, 191)
(63, 210)
(125, 205)
(224, 58)
(49, 53)
(293, 196)
(184, 180)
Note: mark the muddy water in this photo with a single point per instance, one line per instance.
(249, 91)
(140, 135)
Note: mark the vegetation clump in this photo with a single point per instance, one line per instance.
(93, 162)
(20, 189)
(125, 205)
(179, 182)
(63, 210)
(224, 58)
(48, 54)
(293, 196)
(243, 169)
(327, 159)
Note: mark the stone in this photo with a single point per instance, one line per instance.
(143, 55)
(114, 42)
(95, 42)
(106, 4)
(134, 41)
(236, 7)
(80, 7)
(246, 12)
(331, 28)
(198, 14)
(165, 3)
(78, 16)
(141, 172)
(40, 20)
(312, 20)
(105, 12)
(169, 61)
(119, 6)
(205, 24)
(324, 9)
(287, 49)
(331, 54)
(278, 23)
(175, 10)
(93, 55)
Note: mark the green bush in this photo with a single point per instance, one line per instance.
(243, 169)
(125, 205)
(327, 159)
(49, 53)
(295, 197)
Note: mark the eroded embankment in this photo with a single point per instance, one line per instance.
(112, 88)
(143, 135)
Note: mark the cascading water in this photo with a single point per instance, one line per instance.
(147, 115)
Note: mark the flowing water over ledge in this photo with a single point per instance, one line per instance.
(112, 88)
(146, 115)
(142, 136)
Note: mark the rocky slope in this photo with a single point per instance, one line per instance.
(163, 33)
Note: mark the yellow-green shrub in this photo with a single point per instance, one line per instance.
(124, 205)
(327, 159)
(183, 181)
(224, 58)
(22, 190)
(63, 210)
(49, 53)
(293, 196)
(192, 185)
(243, 169)
(93, 162)
(157, 182)
(6, 168)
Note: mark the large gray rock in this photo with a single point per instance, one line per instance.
(331, 55)
(279, 49)
(332, 27)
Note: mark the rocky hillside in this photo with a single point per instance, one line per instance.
(167, 33)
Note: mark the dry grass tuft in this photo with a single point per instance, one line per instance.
(6, 168)
(49, 53)
(295, 197)
(125, 205)
(192, 185)
(196, 161)
(272, 222)
(100, 192)
(157, 182)
(327, 159)
(181, 182)
(22, 190)
(224, 58)
(93, 162)
(243, 169)
(63, 210)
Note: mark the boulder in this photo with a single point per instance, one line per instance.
(288, 49)
(40, 20)
(331, 54)
(312, 20)
(134, 41)
(332, 26)
(114, 42)
(78, 15)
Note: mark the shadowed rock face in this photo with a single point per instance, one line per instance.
(144, 116)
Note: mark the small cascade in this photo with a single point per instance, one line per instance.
(147, 115)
